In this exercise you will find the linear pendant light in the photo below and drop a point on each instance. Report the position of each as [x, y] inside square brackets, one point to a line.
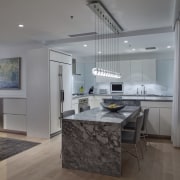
[105, 25]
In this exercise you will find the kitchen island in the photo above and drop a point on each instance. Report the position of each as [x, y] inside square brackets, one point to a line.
[91, 140]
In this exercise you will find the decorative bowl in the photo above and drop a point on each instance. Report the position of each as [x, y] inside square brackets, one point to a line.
[113, 107]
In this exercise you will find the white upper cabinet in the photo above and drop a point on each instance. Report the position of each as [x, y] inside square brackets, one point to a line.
[136, 70]
[143, 71]
[60, 57]
[125, 70]
[149, 71]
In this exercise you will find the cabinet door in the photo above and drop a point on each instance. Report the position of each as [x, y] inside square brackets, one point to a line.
[125, 70]
[136, 71]
[76, 108]
[67, 86]
[165, 121]
[14, 122]
[153, 121]
[55, 92]
[149, 71]
[54, 96]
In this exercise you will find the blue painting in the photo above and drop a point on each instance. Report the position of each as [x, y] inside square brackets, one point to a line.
[10, 73]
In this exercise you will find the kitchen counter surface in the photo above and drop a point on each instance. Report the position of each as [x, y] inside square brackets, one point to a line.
[101, 115]
[131, 97]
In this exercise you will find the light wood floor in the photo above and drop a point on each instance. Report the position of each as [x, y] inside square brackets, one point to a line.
[161, 162]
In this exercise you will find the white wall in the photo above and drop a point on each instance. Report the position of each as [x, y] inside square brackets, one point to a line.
[38, 124]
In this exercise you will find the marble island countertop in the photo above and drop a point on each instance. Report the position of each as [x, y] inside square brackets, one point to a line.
[91, 140]
[97, 115]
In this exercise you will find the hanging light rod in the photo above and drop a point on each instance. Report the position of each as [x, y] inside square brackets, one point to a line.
[100, 10]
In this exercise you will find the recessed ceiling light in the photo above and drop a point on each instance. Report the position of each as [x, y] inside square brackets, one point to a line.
[85, 45]
[168, 47]
[21, 25]
[133, 49]
[99, 52]
[125, 41]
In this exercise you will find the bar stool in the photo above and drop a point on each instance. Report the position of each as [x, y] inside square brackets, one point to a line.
[133, 137]
[132, 126]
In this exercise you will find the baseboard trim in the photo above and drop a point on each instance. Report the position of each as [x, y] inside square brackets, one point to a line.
[14, 132]
[55, 134]
[158, 136]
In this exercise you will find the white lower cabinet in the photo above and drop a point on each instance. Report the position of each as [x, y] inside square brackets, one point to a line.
[153, 121]
[160, 117]
[75, 105]
[165, 121]
[14, 114]
[14, 122]
[91, 101]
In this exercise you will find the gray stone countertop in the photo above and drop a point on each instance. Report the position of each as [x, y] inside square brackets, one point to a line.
[132, 97]
[99, 115]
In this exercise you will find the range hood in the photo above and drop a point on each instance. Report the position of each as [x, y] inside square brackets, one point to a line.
[74, 68]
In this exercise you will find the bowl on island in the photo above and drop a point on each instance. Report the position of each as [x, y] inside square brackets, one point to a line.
[113, 107]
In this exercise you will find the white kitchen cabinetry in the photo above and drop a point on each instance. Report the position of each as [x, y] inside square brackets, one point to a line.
[149, 71]
[43, 91]
[159, 121]
[60, 78]
[14, 114]
[91, 101]
[153, 121]
[136, 71]
[125, 70]
[165, 121]
[75, 105]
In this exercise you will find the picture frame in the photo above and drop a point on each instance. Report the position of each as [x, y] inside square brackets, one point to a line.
[10, 73]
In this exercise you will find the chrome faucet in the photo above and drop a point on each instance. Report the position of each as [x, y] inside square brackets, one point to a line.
[144, 89]
[137, 91]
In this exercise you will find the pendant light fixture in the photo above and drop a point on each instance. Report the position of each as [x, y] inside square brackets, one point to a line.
[105, 44]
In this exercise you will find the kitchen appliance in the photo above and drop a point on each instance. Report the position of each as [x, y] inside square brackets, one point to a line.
[102, 91]
[116, 87]
[82, 103]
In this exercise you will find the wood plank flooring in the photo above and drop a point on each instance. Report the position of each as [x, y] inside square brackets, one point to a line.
[161, 162]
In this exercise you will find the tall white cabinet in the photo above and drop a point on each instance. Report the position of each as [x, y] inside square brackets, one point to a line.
[43, 93]
[60, 64]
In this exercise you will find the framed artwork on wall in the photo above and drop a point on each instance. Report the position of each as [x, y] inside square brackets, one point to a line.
[10, 73]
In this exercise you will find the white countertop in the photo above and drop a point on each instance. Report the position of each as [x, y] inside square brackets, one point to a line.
[131, 97]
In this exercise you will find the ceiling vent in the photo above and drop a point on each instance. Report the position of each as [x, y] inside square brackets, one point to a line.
[83, 34]
[150, 48]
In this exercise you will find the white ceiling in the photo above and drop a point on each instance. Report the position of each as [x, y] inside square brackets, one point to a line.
[142, 14]
[160, 41]
[50, 19]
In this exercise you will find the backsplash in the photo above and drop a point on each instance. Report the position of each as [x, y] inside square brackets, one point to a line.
[131, 89]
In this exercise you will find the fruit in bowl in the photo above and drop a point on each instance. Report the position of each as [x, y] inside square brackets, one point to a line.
[112, 107]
